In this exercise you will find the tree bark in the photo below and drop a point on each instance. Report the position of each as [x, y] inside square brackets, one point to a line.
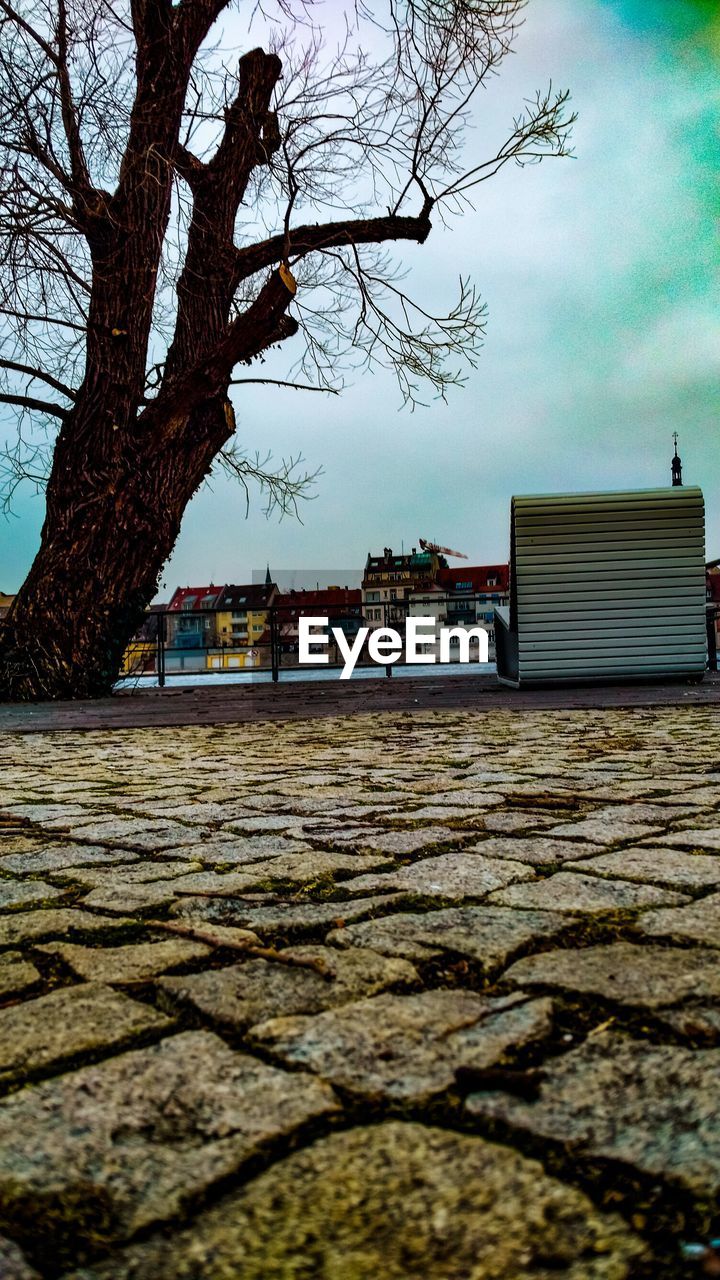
[102, 551]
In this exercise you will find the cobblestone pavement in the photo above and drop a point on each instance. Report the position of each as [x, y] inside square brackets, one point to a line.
[388, 996]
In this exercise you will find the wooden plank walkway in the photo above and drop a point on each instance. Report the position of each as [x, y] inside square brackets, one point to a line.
[294, 700]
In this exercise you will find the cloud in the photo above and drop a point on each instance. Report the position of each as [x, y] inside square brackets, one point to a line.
[600, 276]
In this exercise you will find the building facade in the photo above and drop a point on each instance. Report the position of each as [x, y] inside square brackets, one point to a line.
[190, 627]
[342, 606]
[241, 624]
[462, 597]
[389, 581]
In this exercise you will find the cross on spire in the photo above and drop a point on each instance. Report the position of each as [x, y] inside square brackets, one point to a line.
[676, 463]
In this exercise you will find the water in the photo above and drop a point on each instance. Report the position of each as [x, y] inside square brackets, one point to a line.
[311, 674]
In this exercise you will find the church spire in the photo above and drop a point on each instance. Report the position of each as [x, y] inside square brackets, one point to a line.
[268, 579]
[676, 463]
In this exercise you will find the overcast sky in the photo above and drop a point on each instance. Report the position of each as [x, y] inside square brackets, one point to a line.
[600, 276]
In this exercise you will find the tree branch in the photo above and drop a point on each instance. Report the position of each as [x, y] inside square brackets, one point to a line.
[78, 165]
[27, 316]
[40, 406]
[279, 382]
[207, 285]
[29, 30]
[38, 373]
[260, 326]
[309, 239]
[188, 166]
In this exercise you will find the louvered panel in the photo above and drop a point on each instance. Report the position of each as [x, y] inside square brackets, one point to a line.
[606, 549]
[608, 585]
[610, 591]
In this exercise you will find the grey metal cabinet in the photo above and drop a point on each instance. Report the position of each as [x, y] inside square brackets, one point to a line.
[604, 586]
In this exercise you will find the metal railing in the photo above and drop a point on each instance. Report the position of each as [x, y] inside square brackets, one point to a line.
[193, 642]
[189, 643]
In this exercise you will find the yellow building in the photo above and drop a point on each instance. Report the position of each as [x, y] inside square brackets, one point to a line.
[240, 623]
[141, 653]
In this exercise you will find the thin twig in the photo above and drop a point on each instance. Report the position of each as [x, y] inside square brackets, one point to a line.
[246, 948]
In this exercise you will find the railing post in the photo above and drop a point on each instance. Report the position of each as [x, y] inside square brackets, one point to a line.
[274, 645]
[710, 616]
[161, 650]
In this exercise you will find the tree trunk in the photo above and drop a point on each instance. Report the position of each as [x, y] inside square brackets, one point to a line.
[104, 543]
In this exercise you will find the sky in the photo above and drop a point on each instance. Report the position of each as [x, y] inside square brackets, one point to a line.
[600, 275]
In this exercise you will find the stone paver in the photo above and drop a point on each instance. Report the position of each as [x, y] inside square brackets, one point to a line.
[604, 828]
[575, 891]
[693, 838]
[374, 915]
[121, 878]
[59, 857]
[243, 994]
[489, 935]
[644, 976]
[237, 850]
[55, 922]
[536, 850]
[10, 843]
[281, 918]
[137, 833]
[397, 1201]
[133, 963]
[397, 843]
[127, 1142]
[405, 1048]
[13, 1264]
[666, 867]
[25, 893]
[451, 875]
[55, 1028]
[697, 922]
[16, 973]
[510, 821]
[693, 1022]
[120, 898]
[651, 1107]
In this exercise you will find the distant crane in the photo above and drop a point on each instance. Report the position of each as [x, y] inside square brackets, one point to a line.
[442, 551]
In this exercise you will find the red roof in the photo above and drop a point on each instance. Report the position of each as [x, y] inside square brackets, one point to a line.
[299, 602]
[195, 597]
[475, 578]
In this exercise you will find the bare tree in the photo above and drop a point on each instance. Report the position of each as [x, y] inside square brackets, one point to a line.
[168, 214]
